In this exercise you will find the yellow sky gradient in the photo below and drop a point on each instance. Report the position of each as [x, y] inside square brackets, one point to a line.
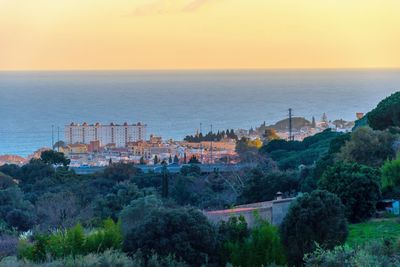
[198, 34]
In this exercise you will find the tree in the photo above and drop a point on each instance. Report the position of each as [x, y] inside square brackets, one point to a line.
[54, 158]
[6, 181]
[386, 114]
[133, 214]
[270, 134]
[155, 160]
[170, 159]
[391, 174]
[14, 210]
[190, 169]
[316, 218]
[165, 181]
[185, 233]
[194, 160]
[368, 147]
[176, 159]
[58, 144]
[118, 172]
[313, 123]
[356, 185]
[110, 205]
[57, 210]
[141, 161]
[262, 186]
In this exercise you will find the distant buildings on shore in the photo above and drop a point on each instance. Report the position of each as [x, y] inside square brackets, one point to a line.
[98, 145]
[118, 135]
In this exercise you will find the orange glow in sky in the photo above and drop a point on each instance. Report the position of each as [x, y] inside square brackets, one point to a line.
[198, 34]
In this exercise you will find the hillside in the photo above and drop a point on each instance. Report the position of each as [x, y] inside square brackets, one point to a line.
[297, 124]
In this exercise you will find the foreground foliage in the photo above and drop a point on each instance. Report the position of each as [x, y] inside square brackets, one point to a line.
[72, 242]
[260, 246]
[375, 254]
[316, 218]
[356, 185]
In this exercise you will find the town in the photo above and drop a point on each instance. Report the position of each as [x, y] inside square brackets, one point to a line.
[91, 147]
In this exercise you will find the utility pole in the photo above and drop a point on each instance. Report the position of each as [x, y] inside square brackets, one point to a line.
[211, 147]
[58, 138]
[290, 125]
[52, 136]
[201, 145]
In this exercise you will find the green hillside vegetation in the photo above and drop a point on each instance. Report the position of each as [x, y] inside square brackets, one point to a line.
[291, 154]
[50, 216]
[373, 230]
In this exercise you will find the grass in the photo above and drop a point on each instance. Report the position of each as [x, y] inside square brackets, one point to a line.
[376, 229]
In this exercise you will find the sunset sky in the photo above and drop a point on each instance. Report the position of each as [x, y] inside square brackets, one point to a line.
[198, 34]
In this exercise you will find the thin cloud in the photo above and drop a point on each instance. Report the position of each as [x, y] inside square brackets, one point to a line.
[195, 5]
[159, 7]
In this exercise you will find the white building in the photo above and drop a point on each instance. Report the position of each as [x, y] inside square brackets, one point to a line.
[116, 134]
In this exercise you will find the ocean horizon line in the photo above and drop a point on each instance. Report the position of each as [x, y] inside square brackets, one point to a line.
[202, 69]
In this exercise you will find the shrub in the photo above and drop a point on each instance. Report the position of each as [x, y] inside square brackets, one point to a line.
[316, 218]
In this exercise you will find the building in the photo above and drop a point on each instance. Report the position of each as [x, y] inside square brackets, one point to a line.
[112, 133]
[272, 211]
[75, 149]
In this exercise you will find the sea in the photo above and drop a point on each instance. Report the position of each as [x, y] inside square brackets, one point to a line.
[174, 103]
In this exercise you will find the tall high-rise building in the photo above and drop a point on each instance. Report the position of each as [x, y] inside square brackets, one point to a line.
[112, 133]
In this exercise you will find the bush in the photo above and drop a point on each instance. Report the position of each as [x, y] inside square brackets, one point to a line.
[316, 218]
[185, 233]
[72, 242]
[390, 174]
[261, 247]
[105, 259]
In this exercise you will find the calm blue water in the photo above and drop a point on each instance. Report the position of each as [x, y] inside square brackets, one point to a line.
[173, 104]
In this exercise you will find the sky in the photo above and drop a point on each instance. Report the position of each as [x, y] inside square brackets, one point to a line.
[198, 34]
